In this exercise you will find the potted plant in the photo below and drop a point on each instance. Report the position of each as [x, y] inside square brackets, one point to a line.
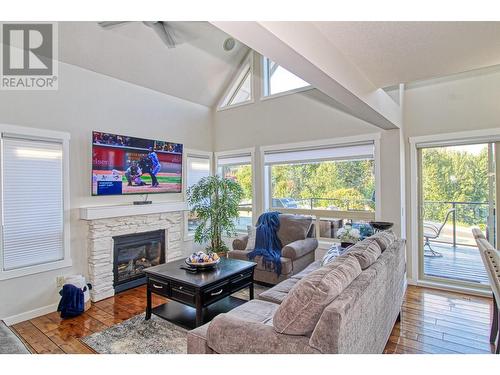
[348, 236]
[215, 201]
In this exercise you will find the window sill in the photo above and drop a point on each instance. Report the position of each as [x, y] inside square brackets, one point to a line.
[220, 109]
[31, 270]
[285, 93]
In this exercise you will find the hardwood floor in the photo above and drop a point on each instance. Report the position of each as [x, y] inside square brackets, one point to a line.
[432, 322]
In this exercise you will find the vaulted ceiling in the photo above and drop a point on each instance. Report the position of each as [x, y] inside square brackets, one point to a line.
[348, 61]
[352, 61]
[389, 53]
[198, 69]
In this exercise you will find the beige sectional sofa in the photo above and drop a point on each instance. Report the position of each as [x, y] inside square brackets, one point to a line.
[336, 308]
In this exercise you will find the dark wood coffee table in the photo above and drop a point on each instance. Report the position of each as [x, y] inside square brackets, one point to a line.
[197, 298]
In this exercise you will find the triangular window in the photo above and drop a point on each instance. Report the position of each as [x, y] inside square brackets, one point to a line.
[240, 90]
[278, 80]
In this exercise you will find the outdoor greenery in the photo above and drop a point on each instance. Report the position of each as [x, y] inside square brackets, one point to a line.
[453, 175]
[343, 185]
[449, 174]
[242, 174]
[215, 200]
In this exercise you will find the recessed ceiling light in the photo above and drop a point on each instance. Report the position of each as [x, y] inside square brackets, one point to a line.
[229, 44]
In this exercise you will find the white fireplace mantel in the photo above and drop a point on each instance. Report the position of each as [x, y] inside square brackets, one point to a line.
[106, 212]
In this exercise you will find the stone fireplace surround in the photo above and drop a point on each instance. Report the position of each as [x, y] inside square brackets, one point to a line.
[106, 222]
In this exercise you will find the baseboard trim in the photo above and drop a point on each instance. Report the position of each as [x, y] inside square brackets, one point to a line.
[14, 319]
[450, 288]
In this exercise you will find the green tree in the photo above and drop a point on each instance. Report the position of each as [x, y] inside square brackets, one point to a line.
[449, 175]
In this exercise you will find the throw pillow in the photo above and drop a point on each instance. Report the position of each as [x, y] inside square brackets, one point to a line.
[384, 238]
[300, 311]
[293, 228]
[252, 233]
[368, 255]
[331, 254]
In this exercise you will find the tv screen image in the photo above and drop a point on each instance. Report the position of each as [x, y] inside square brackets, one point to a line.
[129, 165]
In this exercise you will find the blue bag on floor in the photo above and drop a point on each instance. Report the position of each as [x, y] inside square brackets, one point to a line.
[72, 301]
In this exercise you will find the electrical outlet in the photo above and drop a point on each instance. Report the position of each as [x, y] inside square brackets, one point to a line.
[60, 281]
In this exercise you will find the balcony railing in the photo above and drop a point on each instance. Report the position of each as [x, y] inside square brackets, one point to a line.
[467, 214]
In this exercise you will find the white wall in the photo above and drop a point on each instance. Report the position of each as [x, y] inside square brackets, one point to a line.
[306, 116]
[467, 101]
[89, 101]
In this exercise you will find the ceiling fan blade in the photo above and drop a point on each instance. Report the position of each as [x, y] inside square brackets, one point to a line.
[164, 32]
[111, 24]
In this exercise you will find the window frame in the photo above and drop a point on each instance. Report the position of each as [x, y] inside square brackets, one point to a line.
[318, 213]
[241, 152]
[40, 134]
[266, 83]
[246, 68]
[208, 155]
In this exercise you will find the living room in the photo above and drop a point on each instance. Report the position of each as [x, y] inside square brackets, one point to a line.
[262, 187]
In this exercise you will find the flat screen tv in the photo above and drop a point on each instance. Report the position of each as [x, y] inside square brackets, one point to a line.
[129, 165]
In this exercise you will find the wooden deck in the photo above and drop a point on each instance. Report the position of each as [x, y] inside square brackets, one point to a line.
[461, 263]
[432, 322]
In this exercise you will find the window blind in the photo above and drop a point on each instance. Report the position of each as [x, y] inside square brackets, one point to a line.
[197, 168]
[234, 160]
[346, 152]
[33, 204]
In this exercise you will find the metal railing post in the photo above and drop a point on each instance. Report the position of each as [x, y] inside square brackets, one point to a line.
[453, 205]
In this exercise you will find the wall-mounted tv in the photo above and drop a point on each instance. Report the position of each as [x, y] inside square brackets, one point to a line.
[129, 165]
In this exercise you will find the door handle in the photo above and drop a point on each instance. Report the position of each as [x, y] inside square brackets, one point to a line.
[217, 293]
[157, 286]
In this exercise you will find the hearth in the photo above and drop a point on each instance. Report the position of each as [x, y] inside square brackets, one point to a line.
[133, 253]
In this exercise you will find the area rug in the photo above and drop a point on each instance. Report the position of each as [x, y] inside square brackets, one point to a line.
[154, 336]
[139, 336]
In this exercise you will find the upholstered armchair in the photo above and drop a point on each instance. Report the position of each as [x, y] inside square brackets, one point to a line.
[296, 233]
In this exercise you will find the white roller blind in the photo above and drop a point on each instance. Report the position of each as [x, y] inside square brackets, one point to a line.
[347, 152]
[234, 160]
[32, 206]
[197, 168]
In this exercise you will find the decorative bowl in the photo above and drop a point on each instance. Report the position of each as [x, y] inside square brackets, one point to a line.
[381, 225]
[203, 265]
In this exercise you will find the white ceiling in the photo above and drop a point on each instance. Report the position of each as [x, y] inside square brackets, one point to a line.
[389, 53]
[197, 70]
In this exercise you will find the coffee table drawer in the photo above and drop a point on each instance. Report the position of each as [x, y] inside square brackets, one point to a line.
[159, 287]
[183, 293]
[241, 279]
[215, 292]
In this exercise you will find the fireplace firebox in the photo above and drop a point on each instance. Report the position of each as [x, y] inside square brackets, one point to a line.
[133, 253]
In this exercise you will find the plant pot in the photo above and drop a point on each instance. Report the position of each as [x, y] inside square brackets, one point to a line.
[222, 254]
[345, 245]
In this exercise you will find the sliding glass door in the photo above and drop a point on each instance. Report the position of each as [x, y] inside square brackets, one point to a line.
[456, 193]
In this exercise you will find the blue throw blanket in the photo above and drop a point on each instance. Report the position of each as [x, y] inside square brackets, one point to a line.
[267, 243]
[72, 301]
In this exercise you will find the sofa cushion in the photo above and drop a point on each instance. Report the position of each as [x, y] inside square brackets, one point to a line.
[240, 243]
[306, 271]
[256, 311]
[384, 239]
[301, 309]
[293, 228]
[367, 255]
[333, 253]
[233, 334]
[278, 293]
